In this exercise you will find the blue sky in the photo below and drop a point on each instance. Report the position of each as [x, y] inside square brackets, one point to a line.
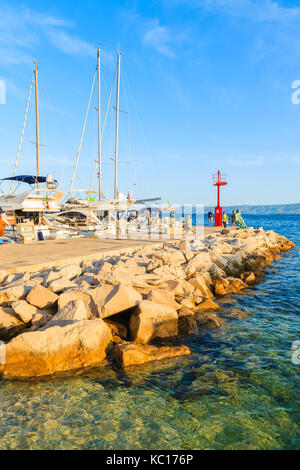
[205, 85]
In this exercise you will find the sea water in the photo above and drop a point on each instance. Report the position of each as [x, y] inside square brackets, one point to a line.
[238, 390]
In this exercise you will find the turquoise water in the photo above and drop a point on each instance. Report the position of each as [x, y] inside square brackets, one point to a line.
[238, 390]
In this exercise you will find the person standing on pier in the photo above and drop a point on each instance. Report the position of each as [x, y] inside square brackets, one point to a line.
[232, 218]
[210, 218]
[225, 219]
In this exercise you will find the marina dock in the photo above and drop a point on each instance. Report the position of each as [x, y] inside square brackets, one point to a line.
[43, 254]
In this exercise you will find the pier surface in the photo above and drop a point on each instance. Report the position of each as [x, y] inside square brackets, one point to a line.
[44, 254]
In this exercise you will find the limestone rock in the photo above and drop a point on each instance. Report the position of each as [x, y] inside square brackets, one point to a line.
[186, 312]
[236, 285]
[199, 282]
[86, 280]
[15, 291]
[61, 284]
[250, 278]
[128, 354]
[71, 271]
[110, 300]
[57, 349]
[170, 272]
[41, 297]
[24, 310]
[118, 330]
[207, 305]
[221, 287]
[179, 287]
[201, 262]
[150, 320]
[73, 311]
[40, 319]
[163, 297]
[9, 323]
[187, 325]
[172, 257]
[79, 294]
[208, 320]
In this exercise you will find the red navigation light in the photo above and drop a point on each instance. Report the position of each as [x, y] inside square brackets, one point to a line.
[219, 180]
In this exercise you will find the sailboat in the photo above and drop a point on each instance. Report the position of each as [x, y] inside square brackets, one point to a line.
[30, 206]
[100, 217]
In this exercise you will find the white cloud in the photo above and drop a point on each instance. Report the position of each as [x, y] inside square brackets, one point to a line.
[23, 29]
[70, 44]
[257, 10]
[258, 161]
[160, 38]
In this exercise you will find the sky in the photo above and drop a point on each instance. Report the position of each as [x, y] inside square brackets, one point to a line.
[205, 85]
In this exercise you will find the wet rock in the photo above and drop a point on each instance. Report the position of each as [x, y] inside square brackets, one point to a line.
[57, 349]
[187, 325]
[150, 320]
[208, 320]
[207, 305]
[41, 297]
[128, 354]
[221, 287]
[186, 312]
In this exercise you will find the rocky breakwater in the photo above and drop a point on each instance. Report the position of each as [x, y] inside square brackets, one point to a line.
[70, 318]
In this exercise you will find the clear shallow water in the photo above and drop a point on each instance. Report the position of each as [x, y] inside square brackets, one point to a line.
[238, 390]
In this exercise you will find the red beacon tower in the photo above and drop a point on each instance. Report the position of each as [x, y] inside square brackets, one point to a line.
[219, 180]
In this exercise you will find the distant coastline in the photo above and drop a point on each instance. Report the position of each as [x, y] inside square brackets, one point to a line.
[263, 209]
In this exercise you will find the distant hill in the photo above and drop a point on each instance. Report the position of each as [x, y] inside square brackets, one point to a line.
[267, 210]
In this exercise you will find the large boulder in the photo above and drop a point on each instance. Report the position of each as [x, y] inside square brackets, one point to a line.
[172, 257]
[128, 354]
[10, 325]
[71, 271]
[110, 300]
[151, 320]
[79, 294]
[24, 310]
[164, 297]
[167, 272]
[15, 291]
[75, 310]
[57, 349]
[61, 284]
[200, 283]
[206, 305]
[41, 297]
[179, 287]
[200, 263]
[187, 325]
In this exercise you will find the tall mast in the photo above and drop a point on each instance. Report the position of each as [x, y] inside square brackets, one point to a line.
[117, 129]
[37, 122]
[99, 128]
